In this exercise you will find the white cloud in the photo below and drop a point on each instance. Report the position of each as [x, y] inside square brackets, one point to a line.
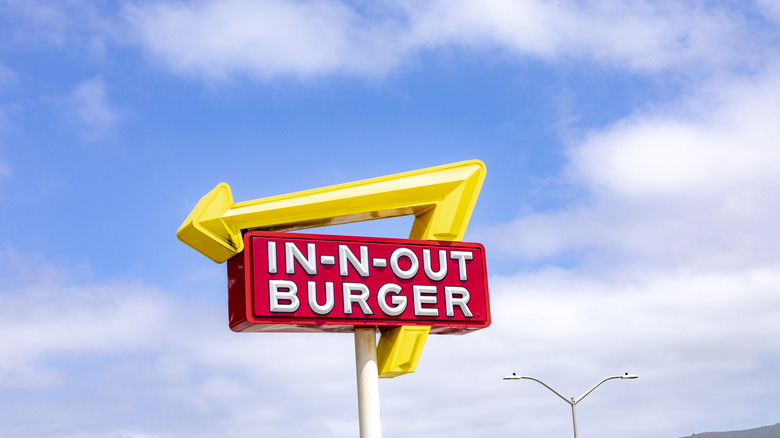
[44, 315]
[274, 38]
[124, 350]
[33, 21]
[88, 106]
[8, 77]
[720, 139]
[770, 8]
[692, 183]
[76, 23]
[301, 39]
[645, 36]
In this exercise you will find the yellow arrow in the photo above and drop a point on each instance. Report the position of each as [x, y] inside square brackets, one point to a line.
[441, 199]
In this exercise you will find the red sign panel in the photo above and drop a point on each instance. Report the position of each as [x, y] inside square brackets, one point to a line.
[289, 282]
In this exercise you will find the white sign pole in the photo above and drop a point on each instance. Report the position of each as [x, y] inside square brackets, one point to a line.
[367, 383]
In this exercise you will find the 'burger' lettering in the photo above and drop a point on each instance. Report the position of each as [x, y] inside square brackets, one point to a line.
[361, 299]
[422, 295]
[283, 290]
[398, 301]
[462, 300]
[330, 302]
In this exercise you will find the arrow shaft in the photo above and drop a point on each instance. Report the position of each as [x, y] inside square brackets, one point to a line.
[355, 202]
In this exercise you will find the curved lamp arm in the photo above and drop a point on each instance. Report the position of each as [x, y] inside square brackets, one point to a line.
[577, 400]
[571, 402]
[624, 376]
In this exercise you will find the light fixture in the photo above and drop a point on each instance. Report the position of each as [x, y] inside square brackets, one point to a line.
[572, 401]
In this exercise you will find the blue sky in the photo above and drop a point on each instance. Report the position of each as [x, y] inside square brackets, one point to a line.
[629, 211]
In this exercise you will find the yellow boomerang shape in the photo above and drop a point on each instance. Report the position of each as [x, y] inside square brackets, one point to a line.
[441, 199]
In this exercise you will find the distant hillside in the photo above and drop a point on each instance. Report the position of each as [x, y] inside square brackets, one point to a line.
[761, 432]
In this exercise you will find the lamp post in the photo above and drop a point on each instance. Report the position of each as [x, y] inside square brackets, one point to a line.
[572, 401]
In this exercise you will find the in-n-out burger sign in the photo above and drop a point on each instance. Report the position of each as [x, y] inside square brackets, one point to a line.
[299, 282]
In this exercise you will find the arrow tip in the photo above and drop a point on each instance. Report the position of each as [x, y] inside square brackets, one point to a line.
[206, 232]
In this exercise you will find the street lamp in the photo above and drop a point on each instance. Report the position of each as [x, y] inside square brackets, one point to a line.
[572, 401]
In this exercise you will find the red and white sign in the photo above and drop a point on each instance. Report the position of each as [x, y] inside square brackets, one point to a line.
[289, 282]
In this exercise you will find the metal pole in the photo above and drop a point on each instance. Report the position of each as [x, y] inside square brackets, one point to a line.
[367, 383]
[574, 417]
